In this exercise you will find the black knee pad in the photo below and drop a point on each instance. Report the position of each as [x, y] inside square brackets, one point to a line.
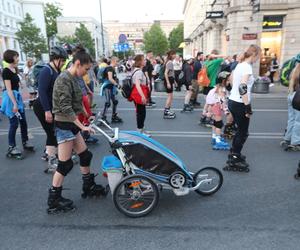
[218, 124]
[115, 102]
[85, 158]
[64, 167]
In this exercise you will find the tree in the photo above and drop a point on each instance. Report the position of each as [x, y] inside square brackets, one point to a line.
[176, 38]
[84, 37]
[51, 12]
[155, 40]
[67, 39]
[30, 38]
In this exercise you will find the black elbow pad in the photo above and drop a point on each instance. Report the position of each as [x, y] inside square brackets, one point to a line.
[243, 89]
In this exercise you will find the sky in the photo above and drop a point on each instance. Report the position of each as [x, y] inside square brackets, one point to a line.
[124, 10]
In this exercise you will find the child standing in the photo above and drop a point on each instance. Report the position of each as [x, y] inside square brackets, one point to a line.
[217, 107]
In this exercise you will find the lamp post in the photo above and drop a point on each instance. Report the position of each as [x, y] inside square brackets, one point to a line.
[102, 32]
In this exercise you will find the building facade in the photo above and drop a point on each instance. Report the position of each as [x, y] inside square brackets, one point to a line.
[66, 26]
[11, 13]
[231, 25]
[135, 31]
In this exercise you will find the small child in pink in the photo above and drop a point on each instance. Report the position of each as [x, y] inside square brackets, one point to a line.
[217, 108]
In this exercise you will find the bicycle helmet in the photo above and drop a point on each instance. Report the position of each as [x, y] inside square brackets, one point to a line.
[68, 47]
[58, 52]
[223, 75]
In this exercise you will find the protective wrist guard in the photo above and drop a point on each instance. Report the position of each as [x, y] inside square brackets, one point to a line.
[248, 109]
[243, 89]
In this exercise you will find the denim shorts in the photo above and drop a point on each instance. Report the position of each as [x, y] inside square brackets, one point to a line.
[64, 135]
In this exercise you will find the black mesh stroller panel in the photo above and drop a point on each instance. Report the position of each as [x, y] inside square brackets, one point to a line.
[150, 160]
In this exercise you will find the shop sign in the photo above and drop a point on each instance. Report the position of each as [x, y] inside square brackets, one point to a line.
[250, 36]
[272, 22]
[214, 14]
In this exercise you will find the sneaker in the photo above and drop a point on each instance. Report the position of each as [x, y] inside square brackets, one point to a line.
[116, 119]
[91, 140]
[169, 114]
[144, 132]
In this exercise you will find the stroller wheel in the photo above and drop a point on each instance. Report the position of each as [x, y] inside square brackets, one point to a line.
[211, 178]
[136, 196]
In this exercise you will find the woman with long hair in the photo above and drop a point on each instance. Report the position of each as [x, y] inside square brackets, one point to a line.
[292, 135]
[239, 105]
[67, 104]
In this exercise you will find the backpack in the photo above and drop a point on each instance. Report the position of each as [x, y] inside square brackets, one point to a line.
[34, 74]
[287, 69]
[161, 72]
[202, 77]
[127, 85]
[100, 74]
[296, 100]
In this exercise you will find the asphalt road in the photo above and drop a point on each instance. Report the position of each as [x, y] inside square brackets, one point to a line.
[258, 210]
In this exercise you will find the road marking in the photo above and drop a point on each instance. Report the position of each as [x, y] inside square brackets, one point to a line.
[179, 109]
[185, 134]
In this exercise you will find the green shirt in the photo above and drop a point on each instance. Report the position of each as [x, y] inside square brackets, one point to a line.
[213, 69]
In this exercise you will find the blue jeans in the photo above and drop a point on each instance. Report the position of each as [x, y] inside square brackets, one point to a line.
[292, 133]
[14, 123]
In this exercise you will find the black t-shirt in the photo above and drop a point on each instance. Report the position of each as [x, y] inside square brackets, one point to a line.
[7, 74]
[112, 70]
[148, 68]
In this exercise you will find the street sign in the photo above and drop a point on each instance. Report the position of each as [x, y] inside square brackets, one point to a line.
[121, 47]
[250, 36]
[214, 14]
[122, 38]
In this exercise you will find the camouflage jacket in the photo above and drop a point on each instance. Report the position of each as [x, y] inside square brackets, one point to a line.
[67, 98]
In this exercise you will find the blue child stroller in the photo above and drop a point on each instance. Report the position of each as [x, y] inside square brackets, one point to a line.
[141, 166]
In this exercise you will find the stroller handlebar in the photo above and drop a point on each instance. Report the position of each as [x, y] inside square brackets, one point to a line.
[114, 130]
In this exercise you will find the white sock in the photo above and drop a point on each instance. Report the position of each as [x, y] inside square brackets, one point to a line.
[218, 138]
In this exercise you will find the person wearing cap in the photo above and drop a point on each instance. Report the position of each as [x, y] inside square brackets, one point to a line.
[216, 102]
[43, 105]
[197, 67]
[188, 76]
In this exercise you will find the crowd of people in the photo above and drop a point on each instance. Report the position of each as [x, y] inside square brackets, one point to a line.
[62, 99]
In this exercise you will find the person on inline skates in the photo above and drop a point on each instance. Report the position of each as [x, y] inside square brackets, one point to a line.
[291, 140]
[240, 107]
[12, 105]
[217, 103]
[109, 90]
[188, 75]
[42, 106]
[67, 104]
[169, 81]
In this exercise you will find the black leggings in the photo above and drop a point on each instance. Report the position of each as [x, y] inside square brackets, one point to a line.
[140, 115]
[239, 115]
[48, 127]
[109, 97]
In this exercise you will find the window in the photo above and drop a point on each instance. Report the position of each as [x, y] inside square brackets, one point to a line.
[15, 44]
[3, 5]
[11, 23]
[8, 7]
[19, 11]
[14, 9]
[5, 21]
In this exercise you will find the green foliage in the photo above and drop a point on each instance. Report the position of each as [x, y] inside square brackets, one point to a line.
[176, 38]
[67, 39]
[84, 37]
[81, 36]
[30, 38]
[155, 40]
[51, 12]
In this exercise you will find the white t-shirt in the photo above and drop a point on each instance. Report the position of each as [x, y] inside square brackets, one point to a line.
[139, 75]
[240, 71]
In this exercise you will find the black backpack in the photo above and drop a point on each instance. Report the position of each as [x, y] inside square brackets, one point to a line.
[127, 85]
[296, 100]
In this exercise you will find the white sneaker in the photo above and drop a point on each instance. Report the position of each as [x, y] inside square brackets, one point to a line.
[144, 132]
